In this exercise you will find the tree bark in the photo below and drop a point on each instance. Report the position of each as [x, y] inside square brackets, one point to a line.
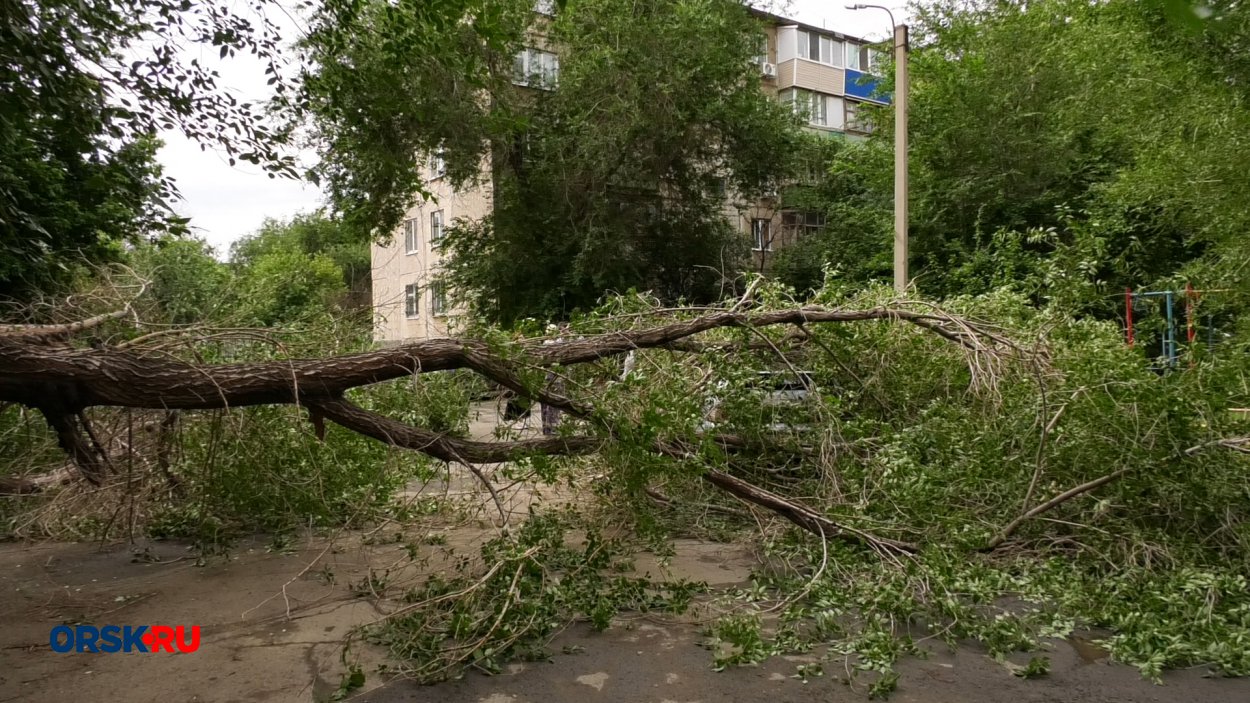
[127, 378]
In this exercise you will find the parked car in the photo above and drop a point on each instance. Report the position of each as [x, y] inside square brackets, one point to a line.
[781, 396]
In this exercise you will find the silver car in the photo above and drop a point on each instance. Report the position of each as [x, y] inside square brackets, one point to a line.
[777, 391]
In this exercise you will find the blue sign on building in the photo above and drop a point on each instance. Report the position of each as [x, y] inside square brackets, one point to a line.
[865, 87]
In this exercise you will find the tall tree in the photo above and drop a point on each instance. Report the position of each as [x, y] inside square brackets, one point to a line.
[386, 85]
[1095, 132]
[618, 176]
[84, 87]
[611, 176]
[1066, 148]
[311, 235]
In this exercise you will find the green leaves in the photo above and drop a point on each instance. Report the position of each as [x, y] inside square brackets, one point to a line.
[616, 178]
[383, 86]
[1185, 14]
[535, 582]
[609, 178]
[287, 286]
[84, 89]
[1108, 126]
[313, 235]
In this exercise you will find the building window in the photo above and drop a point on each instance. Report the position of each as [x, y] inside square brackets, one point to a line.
[412, 239]
[802, 224]
[412, 298]
[536, 68]
[438, 163]
[436, 225]
[862, 58]
[856, 120]
[811, 170]
[790, 96]
[820, 48]
[438, 299]
[761, 234]
[819, 109]
[831, 51]
[870, 59]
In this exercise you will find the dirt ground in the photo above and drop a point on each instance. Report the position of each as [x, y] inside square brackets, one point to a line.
[273, 625]
[648, 662]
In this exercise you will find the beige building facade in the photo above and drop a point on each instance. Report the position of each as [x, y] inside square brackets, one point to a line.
[825, 75]
[408, 301]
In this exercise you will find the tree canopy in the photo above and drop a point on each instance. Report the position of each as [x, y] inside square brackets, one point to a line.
[286, 274]
[84, 89]
[657, 117]
[311, 235]
[611, 175]
[384, 86]
[1065, 148]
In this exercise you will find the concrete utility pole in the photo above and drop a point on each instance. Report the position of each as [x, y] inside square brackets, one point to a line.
[901, 183]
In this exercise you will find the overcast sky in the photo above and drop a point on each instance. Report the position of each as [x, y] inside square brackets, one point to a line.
[225, 202]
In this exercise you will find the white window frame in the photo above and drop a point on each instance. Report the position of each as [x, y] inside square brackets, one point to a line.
[817, 109]
[536, 68]
[438, 163]
[412, 236]
[761, 234]
[812, 105]
[787, 43]
[436, 226]
[854, 121]
[852, 56]
[829, 49]
[412, 301]
[874, 61]
[835, 52]
[800, 101]
[438, 299]
[834, 117]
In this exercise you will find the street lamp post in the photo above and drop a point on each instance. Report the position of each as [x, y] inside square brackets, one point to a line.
[900, 148]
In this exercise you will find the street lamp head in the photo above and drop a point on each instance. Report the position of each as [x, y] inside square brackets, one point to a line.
[866, 6]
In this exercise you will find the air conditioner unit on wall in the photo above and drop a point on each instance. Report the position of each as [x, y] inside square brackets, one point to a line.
[768, 70]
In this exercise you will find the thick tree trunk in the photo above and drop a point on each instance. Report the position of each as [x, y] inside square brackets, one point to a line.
[125, 378]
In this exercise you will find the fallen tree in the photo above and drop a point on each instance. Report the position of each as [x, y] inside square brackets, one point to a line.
[40, 370]
[988, 462]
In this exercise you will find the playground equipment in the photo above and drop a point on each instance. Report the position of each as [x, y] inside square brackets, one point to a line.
[1190, 295]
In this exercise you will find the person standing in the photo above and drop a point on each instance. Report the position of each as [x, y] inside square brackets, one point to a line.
[554, 384]
[551, 414]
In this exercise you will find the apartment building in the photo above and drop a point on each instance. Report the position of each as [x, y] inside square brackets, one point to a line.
[827, 76]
